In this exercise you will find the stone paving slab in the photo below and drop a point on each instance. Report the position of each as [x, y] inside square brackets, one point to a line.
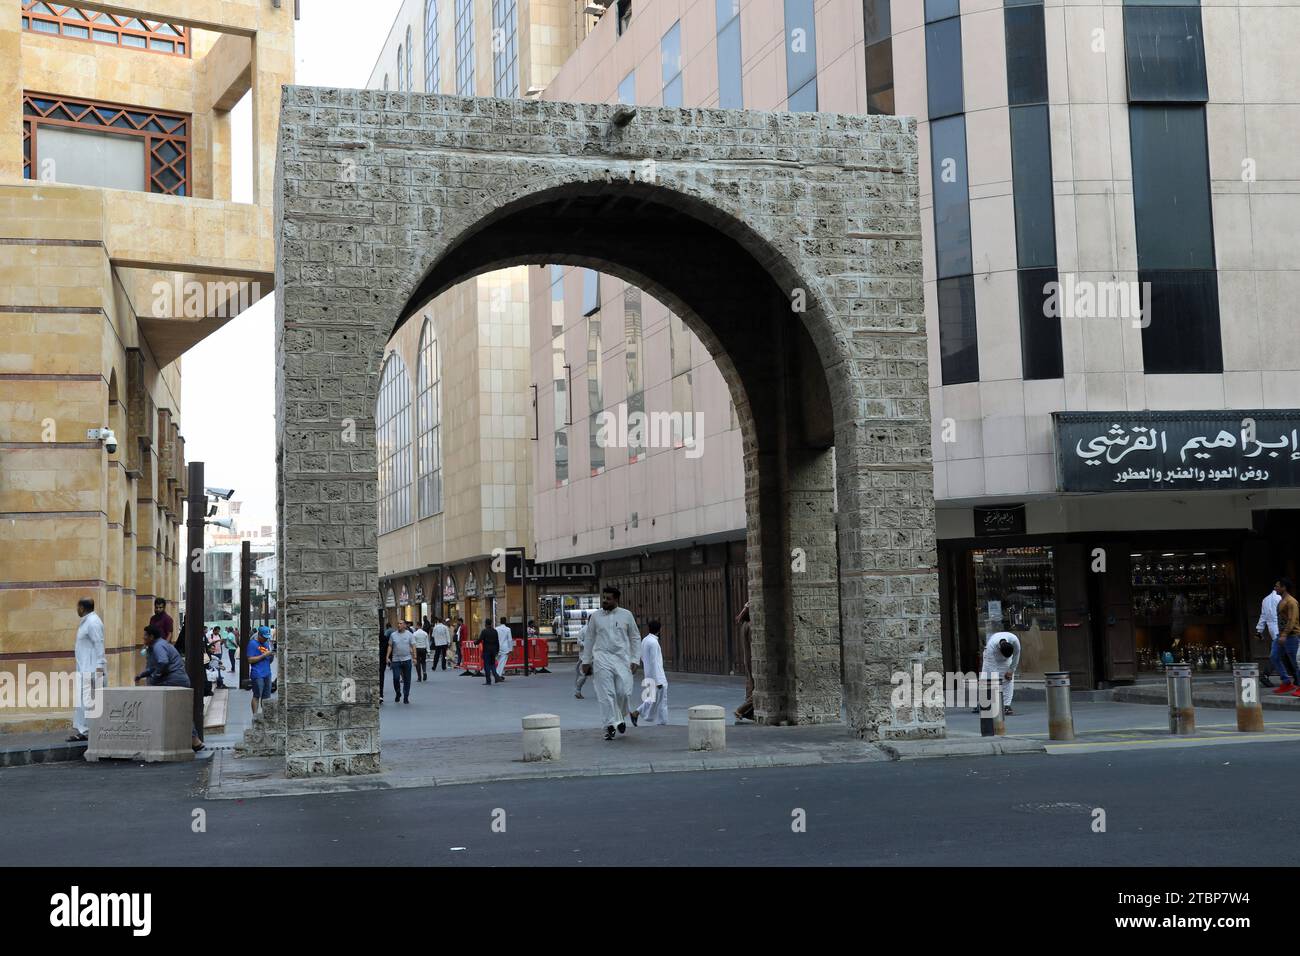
[447, 761]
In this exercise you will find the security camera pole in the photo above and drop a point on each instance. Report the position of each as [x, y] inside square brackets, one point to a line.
[194, 613]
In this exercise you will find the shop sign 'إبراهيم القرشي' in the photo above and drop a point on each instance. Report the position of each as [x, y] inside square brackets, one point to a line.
[1184, 451]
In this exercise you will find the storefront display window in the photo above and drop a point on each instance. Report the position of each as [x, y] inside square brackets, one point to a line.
[1015, 590]
[1183, 609]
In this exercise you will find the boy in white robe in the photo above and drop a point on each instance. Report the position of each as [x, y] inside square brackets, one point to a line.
[654, 682]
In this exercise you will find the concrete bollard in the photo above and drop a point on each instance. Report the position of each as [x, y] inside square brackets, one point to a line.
[1060, 718]
[1250, 712]
[1182, 715]
[152, 724]
[541, 737]
[706, 728]
[992, 723]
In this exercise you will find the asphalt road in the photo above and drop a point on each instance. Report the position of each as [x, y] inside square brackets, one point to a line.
[1190, 806]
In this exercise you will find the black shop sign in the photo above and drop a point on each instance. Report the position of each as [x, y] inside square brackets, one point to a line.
[992, 522]
[1182, 451]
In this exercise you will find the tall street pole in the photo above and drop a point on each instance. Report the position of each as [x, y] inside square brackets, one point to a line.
[194, 612]
[245, 611]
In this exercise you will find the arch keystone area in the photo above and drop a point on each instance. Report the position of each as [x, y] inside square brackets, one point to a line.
[789, 242]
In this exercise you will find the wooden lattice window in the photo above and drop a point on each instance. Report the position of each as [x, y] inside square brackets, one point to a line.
[166, 135]
[78, 23]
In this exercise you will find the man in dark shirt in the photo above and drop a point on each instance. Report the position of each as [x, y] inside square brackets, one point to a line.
[162, 620]
[491, 644]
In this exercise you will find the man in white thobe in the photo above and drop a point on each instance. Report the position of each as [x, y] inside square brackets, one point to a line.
[1266, 627]
[92, 665]
[612, 649]
[997, 661]
[654, 682]
[507, 645]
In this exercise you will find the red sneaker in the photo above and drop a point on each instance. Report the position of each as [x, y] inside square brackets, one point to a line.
[1285, 688]
[1296, 692]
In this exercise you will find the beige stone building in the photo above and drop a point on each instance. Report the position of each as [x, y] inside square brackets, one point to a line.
[120, 248]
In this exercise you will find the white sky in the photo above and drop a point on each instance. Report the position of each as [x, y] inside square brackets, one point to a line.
[228, 380]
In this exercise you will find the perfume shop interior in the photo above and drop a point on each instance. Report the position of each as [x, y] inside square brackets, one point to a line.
[1108, 612]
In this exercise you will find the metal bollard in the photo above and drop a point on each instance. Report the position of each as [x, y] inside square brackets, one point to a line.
[1182, 716]
[1250, 712]
[990, 701]
[1060, 719]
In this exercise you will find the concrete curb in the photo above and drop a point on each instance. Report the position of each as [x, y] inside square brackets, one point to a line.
[44, 753]
[961, 747]
[1156, 694]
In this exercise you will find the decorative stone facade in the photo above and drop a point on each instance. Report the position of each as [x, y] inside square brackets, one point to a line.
[789, 242]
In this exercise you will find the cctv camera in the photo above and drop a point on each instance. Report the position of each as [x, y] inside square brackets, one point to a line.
[226, 493]
[106, 435]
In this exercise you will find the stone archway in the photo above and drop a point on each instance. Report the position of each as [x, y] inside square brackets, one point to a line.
[790, 243]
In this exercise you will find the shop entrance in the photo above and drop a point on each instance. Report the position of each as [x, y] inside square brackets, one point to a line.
[1184, 609]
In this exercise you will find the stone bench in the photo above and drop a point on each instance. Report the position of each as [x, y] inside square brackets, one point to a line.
[143, 723]
[214, 711]
[541, 737]
[706, 727]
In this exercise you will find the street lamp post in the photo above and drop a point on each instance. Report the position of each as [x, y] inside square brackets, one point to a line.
[194, 622]
[245, 610]
[523, 585]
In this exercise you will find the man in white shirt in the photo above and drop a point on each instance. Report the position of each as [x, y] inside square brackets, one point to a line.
[613, 648]
[92, 664]
[581, 677]
[654, 682]
[1266, 627]
[507, 645]
[441, 641]
[1002, 657]
[420, 641]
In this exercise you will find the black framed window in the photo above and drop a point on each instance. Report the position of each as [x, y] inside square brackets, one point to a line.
[670, 60]
[951, 197]
[944, 89]
[1040, 332]
[590, 291]
[880, 56]
[1181, 314]
[1031, 170]
[1026, 55]
[1165, 53]
[958, 347]
[1171, 187]
[936, 10]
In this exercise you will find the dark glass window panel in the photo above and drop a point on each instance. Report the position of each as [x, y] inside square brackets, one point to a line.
[876, 20]
[105, 36]
[81, 33]
[880, 78]
[958, 347]
[1031, 170]
[590, 291]
[44, 26]
[1171, 187]
[941, 9]
[943, 68]
[130, 39]
[624, 15]
[730, 87]
[726, 10]
[1024, 3]
[1182, 316]
[1040, 333]
[800, 45]
[165, 45]
[951, 197]
[1165, 52]
[804, 100]
[1026, 56]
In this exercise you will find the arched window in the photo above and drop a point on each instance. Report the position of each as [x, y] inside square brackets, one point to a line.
[428, 414]
[410, 62]
[393, 443]
[400, 72]
[432, 61]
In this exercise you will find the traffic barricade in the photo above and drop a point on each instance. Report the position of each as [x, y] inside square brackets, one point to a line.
[471, 659]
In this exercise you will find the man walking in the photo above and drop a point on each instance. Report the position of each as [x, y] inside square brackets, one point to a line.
[654, 682]
[400, 647]
[161, 620]
[461, 636]
[489, 642]
[1288, 639]
[232, 645]
[612, 650]
[420, 638]
[505, 645]
[746, 710]
[258, 653]
[441, 641]
[1266, 626]
[92, 665]
[385, 635]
